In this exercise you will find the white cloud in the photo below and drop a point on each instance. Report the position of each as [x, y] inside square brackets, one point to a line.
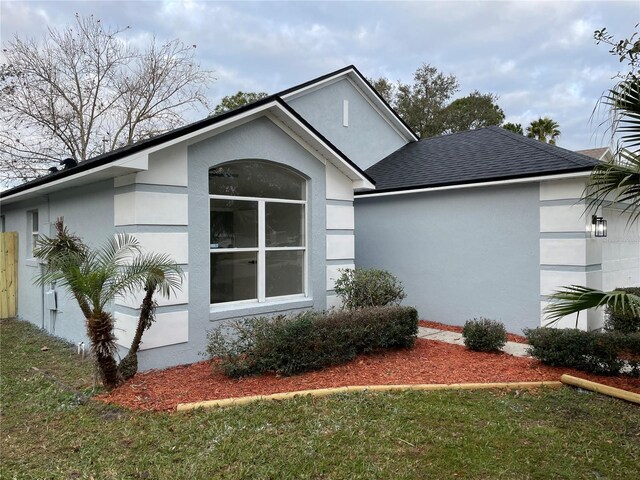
[539, 57]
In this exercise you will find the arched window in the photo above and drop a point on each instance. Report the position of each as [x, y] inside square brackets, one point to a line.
[257, 231]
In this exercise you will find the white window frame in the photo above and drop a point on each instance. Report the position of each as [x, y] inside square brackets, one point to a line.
[261, 250]
[32, 233]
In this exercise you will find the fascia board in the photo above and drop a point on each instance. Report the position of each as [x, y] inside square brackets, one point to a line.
[138, 162]
[512, 181]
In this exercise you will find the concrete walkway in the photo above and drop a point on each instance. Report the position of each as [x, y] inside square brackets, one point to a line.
[512, 348]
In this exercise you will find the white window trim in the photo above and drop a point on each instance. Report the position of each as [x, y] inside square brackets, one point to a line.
[33, 233]
[261, 249]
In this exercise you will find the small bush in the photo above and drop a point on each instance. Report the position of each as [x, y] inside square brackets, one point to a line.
[620, 320]
[602, 353]
[361, 288]
[484, 335]
[310, 340]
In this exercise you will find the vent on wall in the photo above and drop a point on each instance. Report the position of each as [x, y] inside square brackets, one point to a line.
[345, 113]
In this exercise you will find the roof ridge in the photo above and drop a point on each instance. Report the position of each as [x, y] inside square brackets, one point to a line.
[538, 145]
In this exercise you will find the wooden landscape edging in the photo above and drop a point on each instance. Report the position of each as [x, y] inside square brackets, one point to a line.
[323, 392]
[8, 274]
[600, 388]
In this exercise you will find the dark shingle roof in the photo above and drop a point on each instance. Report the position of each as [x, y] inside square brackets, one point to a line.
[482, 155]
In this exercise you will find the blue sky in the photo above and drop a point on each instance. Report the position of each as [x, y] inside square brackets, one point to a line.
[538, 57]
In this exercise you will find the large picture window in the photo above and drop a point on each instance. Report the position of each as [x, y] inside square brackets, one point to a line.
[257, 232]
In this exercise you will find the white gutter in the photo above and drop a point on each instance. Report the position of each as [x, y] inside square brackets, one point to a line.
[478, 184]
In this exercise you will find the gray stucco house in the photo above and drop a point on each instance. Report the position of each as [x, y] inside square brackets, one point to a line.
[262, 206]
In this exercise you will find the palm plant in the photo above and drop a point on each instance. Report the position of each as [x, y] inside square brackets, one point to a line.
[617, 181]
[544, 128]
[96, 277]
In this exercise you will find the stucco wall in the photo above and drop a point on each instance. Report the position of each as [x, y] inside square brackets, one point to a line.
[368, 137]
[461, 253]
[87, 211]
[258, 139]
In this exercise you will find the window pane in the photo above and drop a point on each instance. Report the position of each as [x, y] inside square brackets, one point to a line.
[284, 273]
[284, 224]
[34, 222]
[234, 224]
[256, 179]
[233, 276]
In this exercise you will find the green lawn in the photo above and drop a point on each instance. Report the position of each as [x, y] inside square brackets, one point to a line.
[47, 433]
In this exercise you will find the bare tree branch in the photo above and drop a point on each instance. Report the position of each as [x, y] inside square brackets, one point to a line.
[83, 90]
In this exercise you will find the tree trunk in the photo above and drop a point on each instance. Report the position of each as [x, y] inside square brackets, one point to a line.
[129, 365]
[100, 332]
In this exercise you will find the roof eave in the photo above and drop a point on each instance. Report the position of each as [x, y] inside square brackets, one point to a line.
[135, 158]
[488, 182]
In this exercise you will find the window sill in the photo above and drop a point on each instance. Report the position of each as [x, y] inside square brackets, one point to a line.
[223, 312]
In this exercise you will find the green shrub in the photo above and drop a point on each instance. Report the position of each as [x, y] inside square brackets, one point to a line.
[362, 287]
[602, 353]
[484, 335]
[310, 340]
[620, 320]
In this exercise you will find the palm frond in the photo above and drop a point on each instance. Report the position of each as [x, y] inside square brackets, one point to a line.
[616, 182]
[624, 104]
[117, 250]
[576, 298]
[144, 271]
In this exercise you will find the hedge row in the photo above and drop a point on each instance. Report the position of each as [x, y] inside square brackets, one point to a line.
[603, 353]
[310, 340]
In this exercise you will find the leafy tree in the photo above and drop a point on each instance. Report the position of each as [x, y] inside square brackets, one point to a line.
[96, 277]
[627, 49]
[84, 90]
[617, 181]
[544, 129]
[425, 104]
[231, 102]
[420, 103]
[476, 110]
[385, 88]
[514, 127]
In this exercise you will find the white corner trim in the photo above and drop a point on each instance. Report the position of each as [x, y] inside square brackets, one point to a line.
[150, 208]
[340, 247]
[168, 329]
[477, 185]
[334, 272]
[340, 217]
[179, 297]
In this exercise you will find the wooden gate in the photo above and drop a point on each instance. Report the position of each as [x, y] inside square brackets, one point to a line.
[8, 274]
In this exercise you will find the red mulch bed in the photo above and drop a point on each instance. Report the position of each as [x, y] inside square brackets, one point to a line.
[512, 337]
[429, 362]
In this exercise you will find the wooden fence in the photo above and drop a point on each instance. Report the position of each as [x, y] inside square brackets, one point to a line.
[8, 274]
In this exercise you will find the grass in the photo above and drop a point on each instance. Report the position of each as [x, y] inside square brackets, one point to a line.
[48, 432]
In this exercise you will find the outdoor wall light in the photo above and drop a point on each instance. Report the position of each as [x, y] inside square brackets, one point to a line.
[599, 226]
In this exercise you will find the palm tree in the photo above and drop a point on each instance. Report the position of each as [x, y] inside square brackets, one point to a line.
[96, 277]
[544, 128]
[617, 181]
[513, 127]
